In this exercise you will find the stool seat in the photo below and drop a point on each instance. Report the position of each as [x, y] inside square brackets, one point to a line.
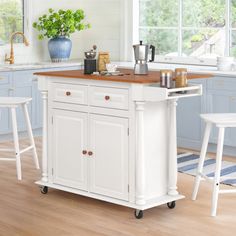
[220, 119]
[13, 103]
[8, 101]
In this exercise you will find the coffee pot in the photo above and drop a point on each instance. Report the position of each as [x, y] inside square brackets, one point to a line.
[141, 57]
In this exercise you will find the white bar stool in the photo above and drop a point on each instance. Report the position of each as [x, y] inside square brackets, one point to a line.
[222, 121]
[12, 103]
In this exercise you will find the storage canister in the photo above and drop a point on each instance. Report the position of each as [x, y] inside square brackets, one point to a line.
[166, 78]
[181, 77]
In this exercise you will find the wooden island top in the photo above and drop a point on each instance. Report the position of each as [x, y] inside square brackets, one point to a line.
[128, 77]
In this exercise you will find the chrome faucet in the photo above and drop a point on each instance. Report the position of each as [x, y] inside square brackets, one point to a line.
[11, 59]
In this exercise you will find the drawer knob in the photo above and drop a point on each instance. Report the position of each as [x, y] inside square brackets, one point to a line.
[84, 152]
[68, 93]
[90, 153]
[107, 98]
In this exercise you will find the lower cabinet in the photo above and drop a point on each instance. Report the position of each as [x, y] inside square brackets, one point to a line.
[221, 101]
[5, 91]
[69, 140]
[219, 96]
[23, 83]
[91, 152]
[189, 124]
[108, 141]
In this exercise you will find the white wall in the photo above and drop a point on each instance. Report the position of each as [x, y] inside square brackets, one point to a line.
[105, 17]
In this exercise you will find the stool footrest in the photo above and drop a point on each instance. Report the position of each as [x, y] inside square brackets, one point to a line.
[26, 149]
[7, 159]
[209, 179]
[227, 191]
[7, 150]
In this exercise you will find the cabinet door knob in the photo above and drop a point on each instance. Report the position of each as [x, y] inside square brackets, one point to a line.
[107, 98]
[90, 153]
[68, 93]
[84, 152]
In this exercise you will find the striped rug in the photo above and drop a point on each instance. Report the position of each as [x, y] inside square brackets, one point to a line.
[188, 163]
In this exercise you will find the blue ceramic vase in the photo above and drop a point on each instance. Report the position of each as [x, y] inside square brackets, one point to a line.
[59, 48]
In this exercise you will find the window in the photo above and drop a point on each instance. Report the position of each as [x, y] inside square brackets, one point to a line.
[11, 19]
[185, 30]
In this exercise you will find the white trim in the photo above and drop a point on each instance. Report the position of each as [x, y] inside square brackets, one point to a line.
[227, 27]
[27, 25]
[180, 59]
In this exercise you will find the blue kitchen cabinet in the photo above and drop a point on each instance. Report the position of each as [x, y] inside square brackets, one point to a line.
[23, 83]
[189, 123]
[5, 91]
[221, 98]
[23, 87]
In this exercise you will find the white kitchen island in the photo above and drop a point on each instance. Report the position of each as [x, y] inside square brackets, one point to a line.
[112, 138]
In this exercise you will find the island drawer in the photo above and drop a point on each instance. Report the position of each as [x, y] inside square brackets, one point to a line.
[70, 93]
[117, 98]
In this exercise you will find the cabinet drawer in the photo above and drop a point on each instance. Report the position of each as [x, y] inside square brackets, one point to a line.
[70, 93]
[109, 97]
[5, 77]
[222, 84]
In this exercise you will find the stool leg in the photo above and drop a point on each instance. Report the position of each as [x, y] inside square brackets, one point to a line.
[201, 159]
[30, 134]
[16, 143]
[216, 186]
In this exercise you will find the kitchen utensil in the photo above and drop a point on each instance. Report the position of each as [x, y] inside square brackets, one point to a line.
[90, 63]
[166, 78]
[141, 58]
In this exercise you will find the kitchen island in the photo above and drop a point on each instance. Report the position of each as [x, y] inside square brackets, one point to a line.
[112, 138]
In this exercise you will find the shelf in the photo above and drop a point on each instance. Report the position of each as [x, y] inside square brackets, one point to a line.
[154, 92]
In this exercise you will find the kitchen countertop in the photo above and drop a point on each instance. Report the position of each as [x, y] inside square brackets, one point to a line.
[128, 77]
[126, 65]
[39, 65]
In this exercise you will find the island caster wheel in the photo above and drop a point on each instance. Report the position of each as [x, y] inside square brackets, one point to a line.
[171, 205]
[44, 189]
[138, 214]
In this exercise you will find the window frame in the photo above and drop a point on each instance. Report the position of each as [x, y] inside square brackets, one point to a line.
[180, 59]
[26, 24]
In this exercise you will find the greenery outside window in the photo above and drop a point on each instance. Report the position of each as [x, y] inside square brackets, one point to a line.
[11, 19]
[188, 31]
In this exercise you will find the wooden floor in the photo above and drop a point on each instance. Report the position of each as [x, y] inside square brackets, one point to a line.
[24, 211]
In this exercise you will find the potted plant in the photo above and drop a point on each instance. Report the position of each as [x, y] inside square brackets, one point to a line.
[58, 26]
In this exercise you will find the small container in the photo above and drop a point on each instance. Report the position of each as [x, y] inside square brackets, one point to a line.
[166, 78]
[181, 77]
[103, 59]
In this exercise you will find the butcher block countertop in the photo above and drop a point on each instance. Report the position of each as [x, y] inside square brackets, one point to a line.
[128, 77]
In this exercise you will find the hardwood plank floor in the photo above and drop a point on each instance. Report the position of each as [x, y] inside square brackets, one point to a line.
[24, 211]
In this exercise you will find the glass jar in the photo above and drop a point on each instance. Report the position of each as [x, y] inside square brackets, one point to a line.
[181, 77]
[166, 78]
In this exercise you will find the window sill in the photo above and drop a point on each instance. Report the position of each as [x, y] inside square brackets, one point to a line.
[192, 68]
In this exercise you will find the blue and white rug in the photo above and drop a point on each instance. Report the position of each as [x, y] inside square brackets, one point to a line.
[188, 163]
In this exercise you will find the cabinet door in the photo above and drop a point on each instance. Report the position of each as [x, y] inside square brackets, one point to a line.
[5, 81]
[222, 102]
[189, 123]
[22, 84]
[69, 139]
[109, 162]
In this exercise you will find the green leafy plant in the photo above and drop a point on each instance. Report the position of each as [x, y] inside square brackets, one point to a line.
[60, 23]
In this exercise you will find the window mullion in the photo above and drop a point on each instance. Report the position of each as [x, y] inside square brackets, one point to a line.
[180, 22]
[227, 27]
